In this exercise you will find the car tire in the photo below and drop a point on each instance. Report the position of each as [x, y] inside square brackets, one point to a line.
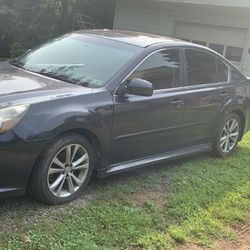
[228, 135]
[63, 170]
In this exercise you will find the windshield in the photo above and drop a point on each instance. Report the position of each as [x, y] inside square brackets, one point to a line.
[79, 59]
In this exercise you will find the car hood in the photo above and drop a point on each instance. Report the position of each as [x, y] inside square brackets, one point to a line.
[16, 84]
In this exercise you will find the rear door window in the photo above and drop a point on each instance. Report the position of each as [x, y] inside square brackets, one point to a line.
[204, 68]
[222, 71]
[200, 67]
[236, 76]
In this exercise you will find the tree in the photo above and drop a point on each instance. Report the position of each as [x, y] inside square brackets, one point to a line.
[26, 23]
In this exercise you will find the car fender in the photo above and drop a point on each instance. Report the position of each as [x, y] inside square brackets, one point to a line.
[47, 120]
[236, 105]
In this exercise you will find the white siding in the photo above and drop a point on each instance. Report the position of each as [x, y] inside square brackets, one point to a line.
[161, 18]
[246, 60]
[229, 3]
[149, 18]
[213, 34]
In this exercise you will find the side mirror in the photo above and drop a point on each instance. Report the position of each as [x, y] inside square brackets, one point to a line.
[140, 87]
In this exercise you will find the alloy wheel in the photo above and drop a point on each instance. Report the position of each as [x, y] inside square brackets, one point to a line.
[229, 135]
[68, 170]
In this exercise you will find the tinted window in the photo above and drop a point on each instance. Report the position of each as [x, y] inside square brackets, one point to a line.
[222, 71]
[81, 59]
[201, 67]
[234, 53]
[217, 47]
[162, 69]
[236, 76]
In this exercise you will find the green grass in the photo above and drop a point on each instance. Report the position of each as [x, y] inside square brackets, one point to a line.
[195, 200]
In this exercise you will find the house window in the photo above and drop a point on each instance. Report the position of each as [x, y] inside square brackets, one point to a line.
[234, 53]
[185, 39]
[200, 43]
[217, 47]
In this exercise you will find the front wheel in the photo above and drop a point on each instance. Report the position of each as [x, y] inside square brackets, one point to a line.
[63, 171]
[228, 135]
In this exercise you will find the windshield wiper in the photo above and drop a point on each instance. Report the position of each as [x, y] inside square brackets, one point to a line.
[17, 63]
[58, 77]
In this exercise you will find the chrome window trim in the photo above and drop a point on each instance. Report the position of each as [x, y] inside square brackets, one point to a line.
[142, 61]
[203, 86]
[218, 58]
[157, 91]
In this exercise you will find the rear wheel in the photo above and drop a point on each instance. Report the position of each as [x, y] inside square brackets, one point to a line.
[63, 171]
[228, 135]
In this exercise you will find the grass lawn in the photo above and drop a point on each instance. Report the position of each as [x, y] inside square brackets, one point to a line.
[193, 201]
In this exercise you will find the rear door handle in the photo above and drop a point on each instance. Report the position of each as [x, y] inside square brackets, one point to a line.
[177, 102]
[224, 94]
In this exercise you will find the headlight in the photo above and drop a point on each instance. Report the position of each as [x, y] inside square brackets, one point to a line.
[10, 116]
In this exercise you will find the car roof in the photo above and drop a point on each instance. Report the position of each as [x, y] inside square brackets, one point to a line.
[134, 38]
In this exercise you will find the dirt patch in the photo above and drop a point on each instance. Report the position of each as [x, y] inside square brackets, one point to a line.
[156, 194]
[189, 247]
[241, 243]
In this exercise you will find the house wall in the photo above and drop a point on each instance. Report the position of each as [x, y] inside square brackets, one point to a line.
[161, 17]
[228, 3]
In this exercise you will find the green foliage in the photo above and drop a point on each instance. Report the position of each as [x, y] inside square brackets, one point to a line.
[155, 241]
[212, 223]
[178, 234]
[16, 49]
[28, 23]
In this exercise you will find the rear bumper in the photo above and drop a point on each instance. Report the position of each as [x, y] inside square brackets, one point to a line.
[17, 159]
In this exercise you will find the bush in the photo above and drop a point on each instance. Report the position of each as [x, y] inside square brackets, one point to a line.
[16, 49]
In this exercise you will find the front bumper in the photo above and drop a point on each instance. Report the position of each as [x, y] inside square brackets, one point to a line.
[17, 159]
